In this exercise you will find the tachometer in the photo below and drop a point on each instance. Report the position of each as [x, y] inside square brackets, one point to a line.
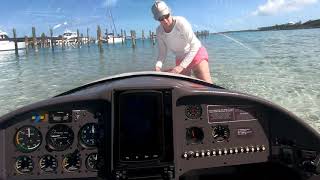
[28, 139]
[92, 162]
[72, 162]
[24, 164]
[48, 163]
[88, 135]
[60, 137]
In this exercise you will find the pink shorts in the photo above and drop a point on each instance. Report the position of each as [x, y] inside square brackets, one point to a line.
[201, 55]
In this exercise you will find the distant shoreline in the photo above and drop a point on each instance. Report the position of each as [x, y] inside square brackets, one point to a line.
[256, 30]
[311, 24]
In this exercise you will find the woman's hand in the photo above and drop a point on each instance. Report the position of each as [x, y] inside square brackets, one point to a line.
[177, 70]
[158, 69]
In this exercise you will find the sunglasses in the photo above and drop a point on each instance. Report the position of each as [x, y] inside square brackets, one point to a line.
[164, 17]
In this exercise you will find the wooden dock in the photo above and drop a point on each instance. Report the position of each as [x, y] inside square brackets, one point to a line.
[45, 41]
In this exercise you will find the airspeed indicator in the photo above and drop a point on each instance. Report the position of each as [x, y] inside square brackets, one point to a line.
[28, 139]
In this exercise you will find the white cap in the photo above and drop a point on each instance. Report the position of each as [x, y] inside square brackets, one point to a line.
[159, 8]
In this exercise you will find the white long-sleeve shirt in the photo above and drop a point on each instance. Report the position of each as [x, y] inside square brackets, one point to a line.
[181, 41]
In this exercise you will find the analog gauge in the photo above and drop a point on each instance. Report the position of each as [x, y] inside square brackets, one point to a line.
[92, 161]
[24, 164]
[194, 135]
[88, 135]
[193, 111]
[60, 137]
[72, 162]
[48, 163]
[28, 139]
[221, 133]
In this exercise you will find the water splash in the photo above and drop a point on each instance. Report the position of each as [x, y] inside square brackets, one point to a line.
[241, 44]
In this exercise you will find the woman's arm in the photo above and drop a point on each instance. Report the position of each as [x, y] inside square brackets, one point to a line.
[162, 54]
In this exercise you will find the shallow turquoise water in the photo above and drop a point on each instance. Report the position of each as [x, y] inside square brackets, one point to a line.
[280, 66]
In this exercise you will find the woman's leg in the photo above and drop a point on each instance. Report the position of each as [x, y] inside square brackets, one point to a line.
[186, 71]
[202, 71]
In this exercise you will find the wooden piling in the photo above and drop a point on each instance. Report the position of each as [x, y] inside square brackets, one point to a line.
[42, 40]
[15, 40]
[62, 43]
[26, 42]
[99, 38]
[143, 36]
[125, 36]
[113, 37]
[150, 35]
[51, 39]
[34, 39]
[78, 38]
[133, 41]
[81, 39]
[122, 38]
[88, 41]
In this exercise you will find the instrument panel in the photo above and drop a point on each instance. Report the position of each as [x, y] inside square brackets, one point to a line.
[65, 143]
[149, 127]
[61, 143]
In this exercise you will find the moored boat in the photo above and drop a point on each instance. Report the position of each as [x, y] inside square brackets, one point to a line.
[111, 38]
[6, 44]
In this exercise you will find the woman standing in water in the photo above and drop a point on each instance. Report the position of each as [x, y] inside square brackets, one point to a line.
[175, 33]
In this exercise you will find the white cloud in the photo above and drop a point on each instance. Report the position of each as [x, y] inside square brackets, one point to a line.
[59, 25]
[56, 26]
[273, 7]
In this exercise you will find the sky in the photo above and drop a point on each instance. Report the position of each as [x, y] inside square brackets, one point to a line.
[212, 15]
